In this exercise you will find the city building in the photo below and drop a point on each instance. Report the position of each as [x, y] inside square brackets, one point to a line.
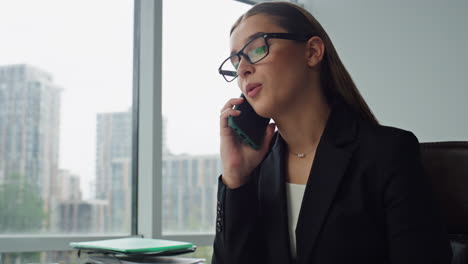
[69, 186]
[189, 192]
[29, 129]
[83, 217]
[113, 168]
[68, 191]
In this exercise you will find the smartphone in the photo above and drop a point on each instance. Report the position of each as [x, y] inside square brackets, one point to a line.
[249, 125]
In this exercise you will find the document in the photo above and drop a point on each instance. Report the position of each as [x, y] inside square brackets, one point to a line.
[135, 245]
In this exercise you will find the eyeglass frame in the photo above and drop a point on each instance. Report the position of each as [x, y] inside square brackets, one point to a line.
[266, 37]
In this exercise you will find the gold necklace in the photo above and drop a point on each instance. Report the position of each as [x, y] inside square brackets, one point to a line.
[301, 155]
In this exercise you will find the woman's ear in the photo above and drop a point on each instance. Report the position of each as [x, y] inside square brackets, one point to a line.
[315, 49]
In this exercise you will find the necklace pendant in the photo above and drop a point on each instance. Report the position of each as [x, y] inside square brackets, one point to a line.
[300, 155]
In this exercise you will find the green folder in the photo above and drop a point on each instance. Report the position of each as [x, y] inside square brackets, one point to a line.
[134, 245]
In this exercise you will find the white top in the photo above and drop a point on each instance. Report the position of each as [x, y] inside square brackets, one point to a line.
[294, 195]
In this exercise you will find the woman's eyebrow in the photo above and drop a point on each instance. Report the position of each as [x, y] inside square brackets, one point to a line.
[252, 36]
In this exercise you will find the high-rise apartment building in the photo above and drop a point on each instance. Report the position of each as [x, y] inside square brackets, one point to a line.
[113, 167]
[68, 193]
[84, 217]
[69, 186]
[189, 192]
[189, 181]
[29, 128]
[113, 142]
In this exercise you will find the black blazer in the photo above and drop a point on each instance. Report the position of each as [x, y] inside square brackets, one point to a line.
[366, 201]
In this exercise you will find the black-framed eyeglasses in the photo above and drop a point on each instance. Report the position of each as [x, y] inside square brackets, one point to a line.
[254, 51]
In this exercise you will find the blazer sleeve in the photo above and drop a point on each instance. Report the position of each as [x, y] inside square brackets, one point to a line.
[416, 232]
[238, 232]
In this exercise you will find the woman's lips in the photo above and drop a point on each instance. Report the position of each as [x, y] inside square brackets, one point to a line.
[254, 91]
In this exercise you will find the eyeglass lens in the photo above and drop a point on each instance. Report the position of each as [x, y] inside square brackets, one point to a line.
[255, 51]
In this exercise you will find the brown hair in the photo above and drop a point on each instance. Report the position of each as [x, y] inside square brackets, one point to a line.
[335, 79]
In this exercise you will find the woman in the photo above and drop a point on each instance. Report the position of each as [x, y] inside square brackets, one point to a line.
[331, 185]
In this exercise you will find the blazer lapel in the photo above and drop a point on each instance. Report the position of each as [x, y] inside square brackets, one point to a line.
[274, 205]
[331, 160]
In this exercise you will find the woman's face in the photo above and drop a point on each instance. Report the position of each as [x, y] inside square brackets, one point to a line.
[279, 79]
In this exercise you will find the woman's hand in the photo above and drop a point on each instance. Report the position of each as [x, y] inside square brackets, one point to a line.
[239, 160]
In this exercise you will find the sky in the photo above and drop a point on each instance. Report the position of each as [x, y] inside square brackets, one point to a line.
[196, 43]
[87, 47]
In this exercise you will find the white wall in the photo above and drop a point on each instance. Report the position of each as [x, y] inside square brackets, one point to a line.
[409, 59]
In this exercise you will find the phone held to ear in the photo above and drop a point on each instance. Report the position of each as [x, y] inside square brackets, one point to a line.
[249, 125]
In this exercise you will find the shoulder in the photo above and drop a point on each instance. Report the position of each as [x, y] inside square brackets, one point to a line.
[385, 137]
[386, 146]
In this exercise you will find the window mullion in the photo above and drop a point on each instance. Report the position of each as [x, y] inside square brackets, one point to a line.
[150, 120]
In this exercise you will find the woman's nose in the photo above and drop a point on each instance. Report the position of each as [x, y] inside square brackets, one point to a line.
[245, 68]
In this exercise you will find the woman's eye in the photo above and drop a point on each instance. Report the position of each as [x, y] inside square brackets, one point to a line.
[254, 54]
[258, 51]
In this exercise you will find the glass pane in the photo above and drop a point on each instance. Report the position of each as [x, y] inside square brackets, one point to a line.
[65, 116]
[192, 98]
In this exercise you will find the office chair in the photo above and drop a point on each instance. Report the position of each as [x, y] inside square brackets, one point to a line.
[446, 164]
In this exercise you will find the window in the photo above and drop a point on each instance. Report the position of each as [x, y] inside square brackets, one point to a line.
[65, 120]
[100, 109]
[194, 44]
[179, 122]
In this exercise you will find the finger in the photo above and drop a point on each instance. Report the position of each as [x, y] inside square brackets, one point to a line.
[231, 103]
[225, 115]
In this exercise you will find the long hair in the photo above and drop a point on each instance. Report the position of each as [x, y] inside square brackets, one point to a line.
[334, 78]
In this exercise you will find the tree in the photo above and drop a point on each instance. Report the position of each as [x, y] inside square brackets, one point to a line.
[21, 206]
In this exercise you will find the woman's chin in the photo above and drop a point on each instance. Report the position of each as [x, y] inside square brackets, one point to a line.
[263, 111]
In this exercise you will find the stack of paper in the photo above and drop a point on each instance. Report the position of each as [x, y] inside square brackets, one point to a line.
[137, 250]
[148, 260]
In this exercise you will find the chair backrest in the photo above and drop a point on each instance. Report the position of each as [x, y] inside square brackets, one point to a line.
[446, 164]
